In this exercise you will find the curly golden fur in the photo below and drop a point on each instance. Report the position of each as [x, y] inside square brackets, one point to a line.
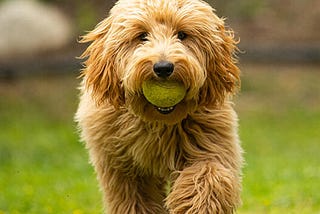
[138, 151]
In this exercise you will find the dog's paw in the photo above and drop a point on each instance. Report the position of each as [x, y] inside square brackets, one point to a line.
[204, 188]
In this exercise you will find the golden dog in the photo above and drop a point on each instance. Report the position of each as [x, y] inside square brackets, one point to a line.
[184, 159]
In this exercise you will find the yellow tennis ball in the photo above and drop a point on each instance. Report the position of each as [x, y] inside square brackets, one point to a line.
[163, 93]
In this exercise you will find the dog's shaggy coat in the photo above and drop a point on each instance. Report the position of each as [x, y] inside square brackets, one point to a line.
[137, 149]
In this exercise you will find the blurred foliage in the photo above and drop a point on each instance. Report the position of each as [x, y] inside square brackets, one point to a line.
[88, 13]
[244, 10]
[86, 22]
[85, 14]
[257, 20]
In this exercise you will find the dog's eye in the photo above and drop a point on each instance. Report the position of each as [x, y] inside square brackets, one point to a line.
[143, 37]
[182, 35]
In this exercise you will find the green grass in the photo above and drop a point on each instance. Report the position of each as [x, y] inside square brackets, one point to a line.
[279, 111]
[44, 168]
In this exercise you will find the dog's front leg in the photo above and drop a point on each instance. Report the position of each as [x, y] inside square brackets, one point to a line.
[134, 194]
[204, 187]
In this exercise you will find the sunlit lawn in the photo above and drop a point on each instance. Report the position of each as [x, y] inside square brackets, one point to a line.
[44, 169]
[279, 111]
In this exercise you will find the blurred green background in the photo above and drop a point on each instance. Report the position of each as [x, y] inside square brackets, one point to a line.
[44, 168]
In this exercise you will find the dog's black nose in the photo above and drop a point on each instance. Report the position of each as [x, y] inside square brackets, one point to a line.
[163, 68]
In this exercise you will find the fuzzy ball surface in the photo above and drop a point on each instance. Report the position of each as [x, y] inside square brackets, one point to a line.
[163, 93]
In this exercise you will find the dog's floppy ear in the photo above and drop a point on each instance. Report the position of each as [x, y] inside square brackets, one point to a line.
[223, 75]
[100, 72]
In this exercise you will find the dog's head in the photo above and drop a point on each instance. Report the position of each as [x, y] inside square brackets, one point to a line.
[182, 40]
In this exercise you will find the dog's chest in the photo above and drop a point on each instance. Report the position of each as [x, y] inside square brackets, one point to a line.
[153, 152]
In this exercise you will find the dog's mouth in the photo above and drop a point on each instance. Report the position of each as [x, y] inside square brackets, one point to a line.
[165, 110]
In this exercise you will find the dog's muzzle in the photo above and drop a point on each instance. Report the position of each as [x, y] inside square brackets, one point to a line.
[163, 69]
